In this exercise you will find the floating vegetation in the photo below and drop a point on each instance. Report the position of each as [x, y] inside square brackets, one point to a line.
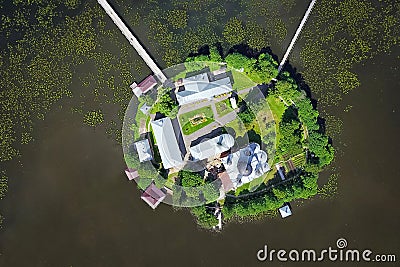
[38, 68]
[342, 34]
[177, 18]
[3, 184]
[47, 41]
[234, 31]
[93, 118]
[72, 4]
[330, 189]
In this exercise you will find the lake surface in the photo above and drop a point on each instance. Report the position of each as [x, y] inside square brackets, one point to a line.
[70, 203]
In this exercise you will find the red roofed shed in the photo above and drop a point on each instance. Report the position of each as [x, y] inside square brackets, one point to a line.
[144, 86]
[153, 196]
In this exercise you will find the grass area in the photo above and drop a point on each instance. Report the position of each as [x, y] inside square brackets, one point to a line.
[256, 182]
[277, 109]
[241, 81]
[238, 126]
[270, 175]
[187, 125]
[188, 128]
[243, 188]
[223, 107]
[139, 117]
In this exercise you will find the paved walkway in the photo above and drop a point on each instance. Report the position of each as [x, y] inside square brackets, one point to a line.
[132, 40]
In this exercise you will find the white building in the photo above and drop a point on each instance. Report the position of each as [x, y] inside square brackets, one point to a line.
[144, 150]
[246, 164]
[212, 147]
[199, 87]
[167, 143]
[285, 211]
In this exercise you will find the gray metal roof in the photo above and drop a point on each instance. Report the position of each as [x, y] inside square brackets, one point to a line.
[212, 147]
[200, 89]
[144, 150]
[167, 143]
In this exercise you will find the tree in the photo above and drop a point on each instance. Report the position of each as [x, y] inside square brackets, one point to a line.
[204, 218]
[267, 68]
[307, 114]
[247, 116]
[289, 142]
[215, 56]
[166, 105]
[239, 61]
[147, 100]
[210, 192]
[190, 179]
[191, 182]
[146, 169]
[319, 145]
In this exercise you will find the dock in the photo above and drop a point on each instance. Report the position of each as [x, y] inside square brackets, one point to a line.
[296, 35]
[133, 40]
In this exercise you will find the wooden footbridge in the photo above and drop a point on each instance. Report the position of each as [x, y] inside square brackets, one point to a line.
[296, 35]
[133, 40]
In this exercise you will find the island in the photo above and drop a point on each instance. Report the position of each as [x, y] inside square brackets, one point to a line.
[227, 137]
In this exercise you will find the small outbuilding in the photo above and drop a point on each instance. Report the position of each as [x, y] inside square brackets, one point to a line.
[145, 109]
[233, 102]
[131, 174]
[144, 86]
[226, 182]
[153, 196]
[144, 150]
[285, 210]
[280, 171]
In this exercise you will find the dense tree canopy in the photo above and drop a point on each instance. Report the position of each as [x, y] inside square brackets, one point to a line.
[165, 104]
[261, 70]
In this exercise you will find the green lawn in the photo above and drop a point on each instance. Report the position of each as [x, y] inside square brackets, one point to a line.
[138, 118]
[277, 108]
[241, 81]
[223, 107]
[188, 127]
[238, 126]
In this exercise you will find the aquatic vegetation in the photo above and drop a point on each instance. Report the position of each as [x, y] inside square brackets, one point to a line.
[39, 67]
[177, 18]
[234, 31]
[256, 36]
[93, 118]
[3, 184]
[47, 47]
[72, 4]
[329, 189]
[342, 34]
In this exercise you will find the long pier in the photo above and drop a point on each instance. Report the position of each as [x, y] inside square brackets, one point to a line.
[296, 35]
[133, 40]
